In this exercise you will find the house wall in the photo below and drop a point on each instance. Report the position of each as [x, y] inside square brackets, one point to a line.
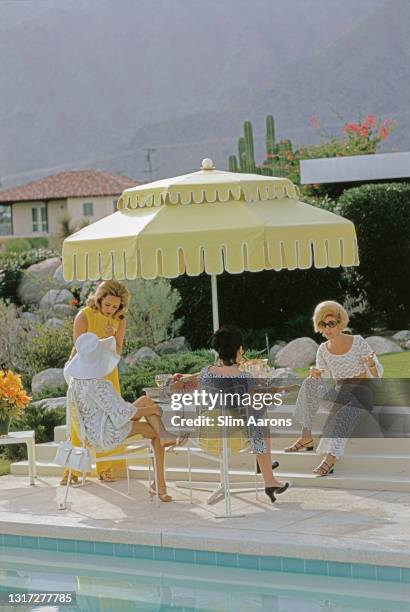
[22, 219]
[102, 206]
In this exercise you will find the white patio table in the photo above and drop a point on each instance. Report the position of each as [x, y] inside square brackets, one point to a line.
[28, 438]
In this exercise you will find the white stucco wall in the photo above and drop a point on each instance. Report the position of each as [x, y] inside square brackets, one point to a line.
[102, 206]
[22, 219]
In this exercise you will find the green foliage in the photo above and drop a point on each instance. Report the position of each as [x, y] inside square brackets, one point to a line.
[48, 348]
[381, 214]
[47, 392]
[11, 266]
[17, 245]
[39, 419]
[281, 302]
[12, 336]
[143, 375]
[151, 317]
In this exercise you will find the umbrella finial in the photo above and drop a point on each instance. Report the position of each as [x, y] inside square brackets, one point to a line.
[207, 164]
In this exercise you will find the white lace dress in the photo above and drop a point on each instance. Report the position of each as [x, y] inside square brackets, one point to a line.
[346, 399]
[104, 416]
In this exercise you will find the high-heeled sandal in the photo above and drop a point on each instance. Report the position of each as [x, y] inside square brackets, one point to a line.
[179, 441]
[164, 497]
[323, 469]
[270, 491]
[106, 476]
[64, 480]
[299, 447]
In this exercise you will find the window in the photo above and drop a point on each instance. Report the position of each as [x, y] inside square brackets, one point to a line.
[6, 225]
[88, 209]
[39, 219]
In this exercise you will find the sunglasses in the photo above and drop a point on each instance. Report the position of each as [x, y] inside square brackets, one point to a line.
[329, 324]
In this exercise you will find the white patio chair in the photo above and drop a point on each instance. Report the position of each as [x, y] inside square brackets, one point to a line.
[136, 450]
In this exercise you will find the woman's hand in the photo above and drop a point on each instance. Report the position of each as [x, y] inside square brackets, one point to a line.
[110, 330]
[369, 360]
[315, 372]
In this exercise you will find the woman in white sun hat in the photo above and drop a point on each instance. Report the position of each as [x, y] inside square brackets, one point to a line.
[108, 419]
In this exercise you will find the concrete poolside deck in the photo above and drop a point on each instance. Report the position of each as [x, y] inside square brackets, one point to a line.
[329, 524]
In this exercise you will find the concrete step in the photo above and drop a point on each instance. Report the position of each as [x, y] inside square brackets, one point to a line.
[60, 433]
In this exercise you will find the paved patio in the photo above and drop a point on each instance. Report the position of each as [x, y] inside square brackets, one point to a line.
[329, 524]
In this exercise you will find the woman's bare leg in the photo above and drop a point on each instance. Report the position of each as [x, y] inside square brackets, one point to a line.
[146, 430]
[148, 409]
[265, 463]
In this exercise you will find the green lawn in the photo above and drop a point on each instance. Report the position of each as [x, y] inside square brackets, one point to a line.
[396, 365]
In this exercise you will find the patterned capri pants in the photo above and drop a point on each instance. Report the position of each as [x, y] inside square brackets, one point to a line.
[346, 401]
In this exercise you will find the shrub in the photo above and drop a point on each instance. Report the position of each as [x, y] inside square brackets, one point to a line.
[151, 317]
[17, 245]
[39, 419]
[48, 348]
[47, 392]
[143, 375]
[12, 337]
[11, 266]
[381, 214]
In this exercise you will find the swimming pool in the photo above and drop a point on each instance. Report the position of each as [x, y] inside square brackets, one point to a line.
[154, 578]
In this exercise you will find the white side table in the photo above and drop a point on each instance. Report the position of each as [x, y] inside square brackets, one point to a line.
[28, 438]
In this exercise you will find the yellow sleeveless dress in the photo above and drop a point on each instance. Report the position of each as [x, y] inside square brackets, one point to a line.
[96, 323]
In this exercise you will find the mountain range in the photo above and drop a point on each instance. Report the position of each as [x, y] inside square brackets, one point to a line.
[93, 83]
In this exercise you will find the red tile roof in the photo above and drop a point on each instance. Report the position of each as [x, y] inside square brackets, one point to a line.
[75, 183]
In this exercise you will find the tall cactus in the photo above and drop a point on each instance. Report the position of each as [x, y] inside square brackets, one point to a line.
[233, 163]
[277, 161]
[270, 135]
[250, 153]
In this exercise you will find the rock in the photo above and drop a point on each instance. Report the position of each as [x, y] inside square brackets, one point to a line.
[297, 354]
[407, 345]
[29, 316]
[61, 311]
[285, 376]
[402, 337]
[275, 350]
[143, 353]
[175, 345]
[51, 403]
[37, 279]
[53, 323]
[52, 377]
[382, 345]
[56, 296]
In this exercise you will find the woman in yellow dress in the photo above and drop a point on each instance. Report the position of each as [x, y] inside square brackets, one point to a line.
[104, 315]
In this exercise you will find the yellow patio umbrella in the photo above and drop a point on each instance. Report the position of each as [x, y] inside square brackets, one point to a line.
[209, 221]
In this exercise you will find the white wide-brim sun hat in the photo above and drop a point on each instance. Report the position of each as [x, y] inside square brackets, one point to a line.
[94, 358]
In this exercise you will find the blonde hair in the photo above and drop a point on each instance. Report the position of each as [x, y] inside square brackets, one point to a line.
[115, 289]
[329, 308]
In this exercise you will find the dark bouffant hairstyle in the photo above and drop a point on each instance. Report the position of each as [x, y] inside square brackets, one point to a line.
[226, 341]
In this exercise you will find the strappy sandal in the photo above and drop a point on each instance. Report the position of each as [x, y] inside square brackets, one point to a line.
[179, 441]
[106, 476]
[300, 447]
[64, 480]
[164, 497]
[323, 469]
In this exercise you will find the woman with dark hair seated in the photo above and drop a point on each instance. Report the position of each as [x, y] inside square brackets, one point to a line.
[225, 375]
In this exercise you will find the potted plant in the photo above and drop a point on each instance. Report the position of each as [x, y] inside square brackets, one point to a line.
[13, 399]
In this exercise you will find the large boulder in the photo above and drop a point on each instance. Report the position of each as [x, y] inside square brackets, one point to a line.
[284, 376]
[53, 323]
[407, 345]
[175, 345]
[51, 403]
[56, 296]
[143, 353]
[52, 377]
[60, 311]
[299, 353]
[274, 350]
[382, 345]
[36, 280]
[402, 337]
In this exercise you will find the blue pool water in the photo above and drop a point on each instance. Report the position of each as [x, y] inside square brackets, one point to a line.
[124, 582]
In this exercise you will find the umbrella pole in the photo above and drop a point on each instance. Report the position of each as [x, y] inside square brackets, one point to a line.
[215, 313]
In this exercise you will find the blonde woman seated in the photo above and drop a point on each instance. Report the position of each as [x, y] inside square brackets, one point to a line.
[107, 418]
[348, 360]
